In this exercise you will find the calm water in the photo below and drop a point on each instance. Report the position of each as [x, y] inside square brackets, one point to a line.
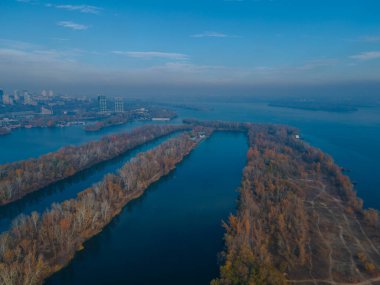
[27, 143]
[172, 234]
[66, 189]
[353, 139]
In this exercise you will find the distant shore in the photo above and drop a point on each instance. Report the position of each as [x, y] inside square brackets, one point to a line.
[311, 106]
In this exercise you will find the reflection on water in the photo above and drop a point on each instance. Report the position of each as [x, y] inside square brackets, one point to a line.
[172, 234]
[352, 139]
[68, 188]
[26, 143]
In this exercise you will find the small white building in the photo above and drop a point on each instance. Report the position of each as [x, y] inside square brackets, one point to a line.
[160, 119]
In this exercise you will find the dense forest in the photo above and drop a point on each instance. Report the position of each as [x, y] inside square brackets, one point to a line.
[38, 245]
[298, 220]
[20, 178]
[219, 125]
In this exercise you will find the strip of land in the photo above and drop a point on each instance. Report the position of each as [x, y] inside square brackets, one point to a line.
[20, 178]
[298, 220]
[37, 246]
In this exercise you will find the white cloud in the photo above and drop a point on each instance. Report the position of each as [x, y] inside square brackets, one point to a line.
[16, 44]
[371, 39]
[187, 67]
[30, 2]
[369, 55]
[72, 25]
[28, 64]
[249, 0]
[318, 63]
[88, 9]
[209, 34]
[153, 55]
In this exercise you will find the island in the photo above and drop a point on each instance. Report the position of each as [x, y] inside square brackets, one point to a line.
[37, 246]
[141, 114]
[312, 105]
[49, 110]
[4, 131]
[20, 178]
[298, 219]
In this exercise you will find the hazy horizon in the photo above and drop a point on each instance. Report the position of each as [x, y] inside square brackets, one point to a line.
[149, 48]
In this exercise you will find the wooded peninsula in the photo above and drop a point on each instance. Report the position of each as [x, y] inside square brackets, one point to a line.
[19, 178]
[298, 219]
[38, 245]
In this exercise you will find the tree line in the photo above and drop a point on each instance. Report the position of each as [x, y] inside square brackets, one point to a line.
[271, 231]
[20, 178]
[270, 222]
[38, 245]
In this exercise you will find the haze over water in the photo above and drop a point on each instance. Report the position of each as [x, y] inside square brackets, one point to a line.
[230, 60]
[351, 138]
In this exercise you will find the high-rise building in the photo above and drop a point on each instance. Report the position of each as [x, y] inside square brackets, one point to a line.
[102, 101]
[1, 95]
[119, 105]
[27, 99]
[46, 111]
[7, 100]
[16, 96]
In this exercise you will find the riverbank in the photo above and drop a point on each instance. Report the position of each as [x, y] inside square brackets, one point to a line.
[20, 178]
[4, 131]
[299, 220]
[173, 232]
[54, 238]
[68, 188]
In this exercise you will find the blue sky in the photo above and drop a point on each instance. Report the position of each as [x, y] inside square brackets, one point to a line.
[134, 42]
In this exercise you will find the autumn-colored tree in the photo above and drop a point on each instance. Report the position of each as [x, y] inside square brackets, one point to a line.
[20, 178]
[37, 246]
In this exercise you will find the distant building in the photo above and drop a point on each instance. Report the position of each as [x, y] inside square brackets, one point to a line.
[119, 105]
[16, 96]
[161, 119]
[102, 101]
[7, 100]
[27, 99]
[46, 111]
[1, 95]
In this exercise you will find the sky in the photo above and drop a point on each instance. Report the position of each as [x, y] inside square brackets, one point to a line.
[100, 45]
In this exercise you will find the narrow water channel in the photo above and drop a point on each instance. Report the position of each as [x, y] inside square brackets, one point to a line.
[68, 188]
[173, 233]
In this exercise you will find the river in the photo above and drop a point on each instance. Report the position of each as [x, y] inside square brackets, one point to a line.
[68, 188]
[172, 234]
[352, 139]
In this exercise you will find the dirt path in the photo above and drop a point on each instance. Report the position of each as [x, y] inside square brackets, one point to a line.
[347, 239]
[305, 281]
